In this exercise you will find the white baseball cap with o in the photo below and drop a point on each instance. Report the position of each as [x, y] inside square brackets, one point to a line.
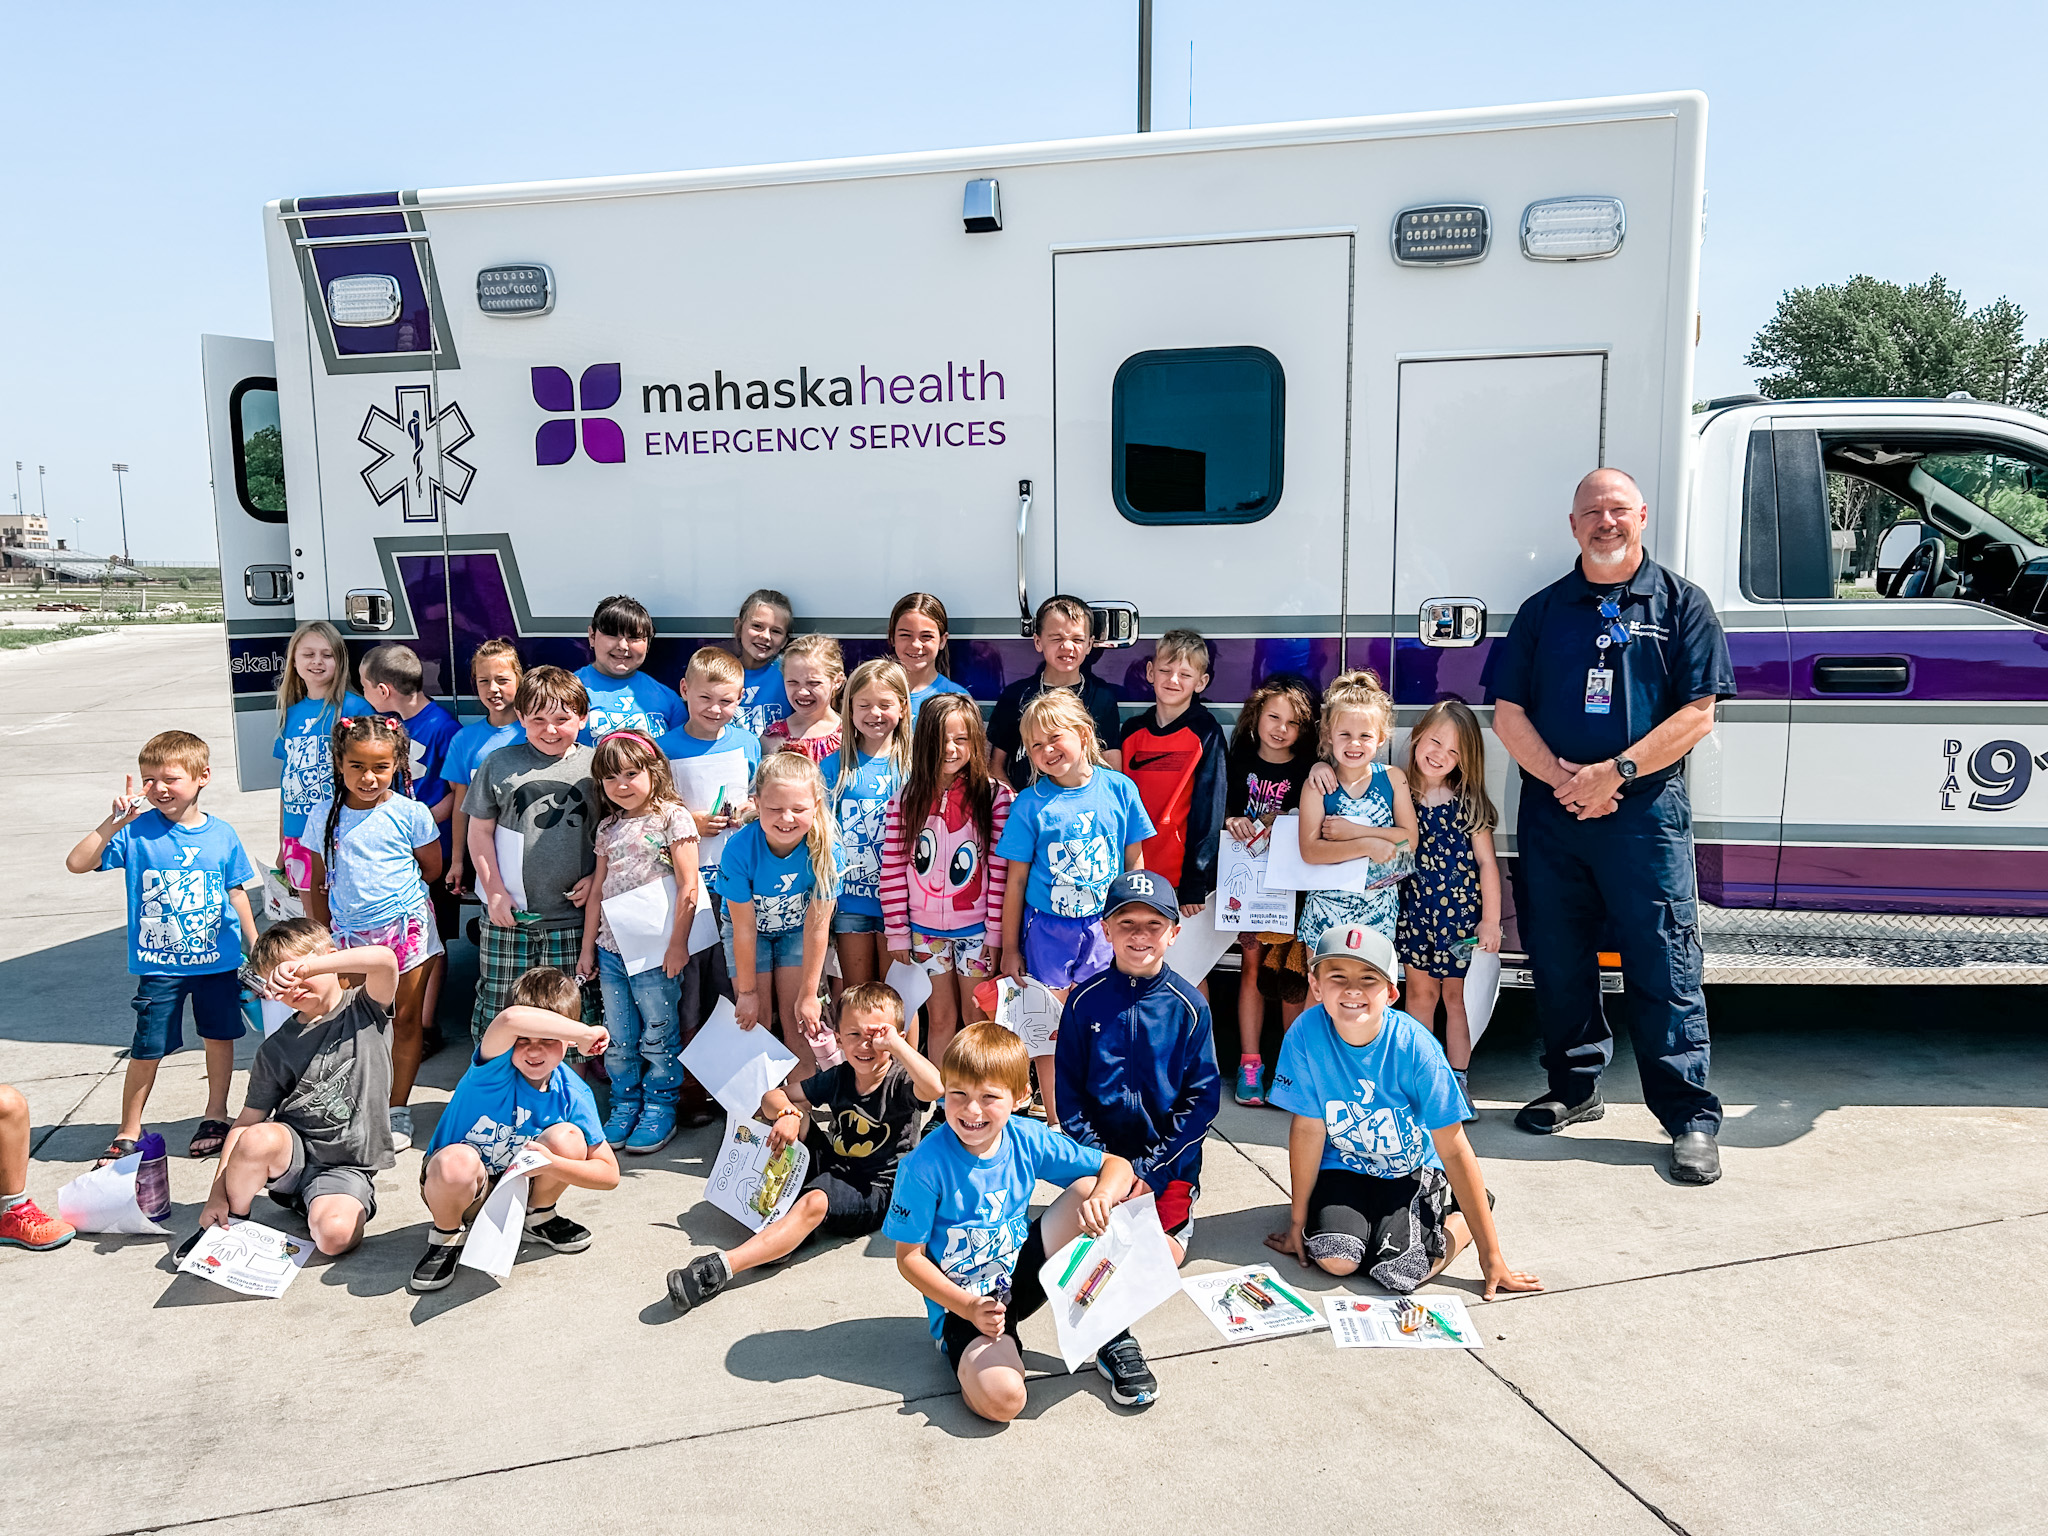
[1355, 942]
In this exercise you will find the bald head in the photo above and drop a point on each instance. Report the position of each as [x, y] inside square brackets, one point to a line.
[1608, 514]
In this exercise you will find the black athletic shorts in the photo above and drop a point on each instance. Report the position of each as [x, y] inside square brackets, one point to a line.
[850, 1211]
[1393, 1229]
[1026, 1297]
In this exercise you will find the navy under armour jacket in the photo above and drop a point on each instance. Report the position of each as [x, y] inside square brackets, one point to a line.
[1135, 1069]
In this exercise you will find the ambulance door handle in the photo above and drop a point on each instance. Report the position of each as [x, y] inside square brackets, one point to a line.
[1023, 523]
[1451, 623]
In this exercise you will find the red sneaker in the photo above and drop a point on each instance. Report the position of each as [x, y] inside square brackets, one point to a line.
[25, 1226]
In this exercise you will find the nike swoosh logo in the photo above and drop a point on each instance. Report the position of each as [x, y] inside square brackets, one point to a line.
[1157, 757]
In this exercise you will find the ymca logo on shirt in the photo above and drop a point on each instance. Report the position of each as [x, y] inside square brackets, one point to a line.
[975, 1258]
[604, 721]
[1383, 1142]
[180, 920]
[308, 767]
[1081, 869]
[780, 914]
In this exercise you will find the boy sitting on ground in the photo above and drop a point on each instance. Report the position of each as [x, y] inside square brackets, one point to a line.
[960, 1214]
[1381, 1167]
[1136, 1075]
[517, 1094]
[316, 1127]
[872, 1107]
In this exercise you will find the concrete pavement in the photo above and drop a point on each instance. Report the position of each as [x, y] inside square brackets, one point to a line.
[1842, 1335]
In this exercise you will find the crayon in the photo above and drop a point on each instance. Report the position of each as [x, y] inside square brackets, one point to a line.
[1095, 1283]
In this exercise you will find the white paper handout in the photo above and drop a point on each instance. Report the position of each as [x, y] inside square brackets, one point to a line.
[1099, 1286]
[750, 1185]
[1245, 904]
[103, 1200]
[493, 1241]
[249, 1258]
[736, 1065]
[274, 1014]
[641, 921]
[1251, 1303]
[1199, 944]
[708, 784]
[511, 850]
[1287, 870]
[1028, 1010]
[913, 986]
[1482, 990]
[1441, 1322]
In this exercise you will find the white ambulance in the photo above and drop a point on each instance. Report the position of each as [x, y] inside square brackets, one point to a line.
[1319, 390]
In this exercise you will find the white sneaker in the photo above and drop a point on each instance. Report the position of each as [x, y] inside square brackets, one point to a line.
[401, 1128]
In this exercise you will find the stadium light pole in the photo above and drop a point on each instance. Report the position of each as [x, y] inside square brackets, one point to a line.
[1144, 66]
[120, 483]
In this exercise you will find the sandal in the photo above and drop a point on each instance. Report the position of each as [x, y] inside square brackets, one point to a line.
[207, 1141]
[117, 1149]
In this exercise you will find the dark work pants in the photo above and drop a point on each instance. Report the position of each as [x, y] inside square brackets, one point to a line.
[1627, 877]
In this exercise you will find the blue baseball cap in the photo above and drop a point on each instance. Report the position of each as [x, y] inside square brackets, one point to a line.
[1146, 889]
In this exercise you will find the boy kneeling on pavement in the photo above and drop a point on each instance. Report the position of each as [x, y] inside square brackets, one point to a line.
[1136, 1075]
[1383, 1175]
[515, 1095]
[316, 1129]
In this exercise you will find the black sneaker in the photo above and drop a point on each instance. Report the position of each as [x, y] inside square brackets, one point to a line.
[436, 1266]
[1547, 1116]
[698, 1281]
[560, 1234]
[1122, 1363]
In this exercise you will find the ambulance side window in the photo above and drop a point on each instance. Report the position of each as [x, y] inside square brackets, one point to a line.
[259, 449]
[1196, 435]
[1860, 513]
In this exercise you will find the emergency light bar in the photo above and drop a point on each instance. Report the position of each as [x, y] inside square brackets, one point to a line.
[369, 298]
[1573, 228]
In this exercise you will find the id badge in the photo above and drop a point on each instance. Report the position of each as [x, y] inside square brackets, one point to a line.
[1599, 690]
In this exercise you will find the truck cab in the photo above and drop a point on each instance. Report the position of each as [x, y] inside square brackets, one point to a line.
[1867, 807]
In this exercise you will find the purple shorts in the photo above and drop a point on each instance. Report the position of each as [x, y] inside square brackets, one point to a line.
[1063, 952]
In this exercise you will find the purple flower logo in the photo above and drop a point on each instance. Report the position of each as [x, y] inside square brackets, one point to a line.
[603, 439]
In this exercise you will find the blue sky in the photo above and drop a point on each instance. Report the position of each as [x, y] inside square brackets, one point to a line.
[141, 142]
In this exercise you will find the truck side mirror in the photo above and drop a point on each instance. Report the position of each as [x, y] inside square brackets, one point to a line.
[1899, 541]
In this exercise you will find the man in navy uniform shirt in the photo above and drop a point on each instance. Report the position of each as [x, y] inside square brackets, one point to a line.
[1606, 680]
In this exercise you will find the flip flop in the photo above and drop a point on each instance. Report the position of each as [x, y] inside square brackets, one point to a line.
[207, 1141]
[117, 1149]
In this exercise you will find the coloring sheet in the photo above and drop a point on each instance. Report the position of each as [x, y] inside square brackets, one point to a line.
[493, 1241]
[913, 986]
[1029, 1011]
[1097, 1287]
[1200, 943]
[1482, 991]
[1251, 1303]
[747, 1183]
[1245, 903]
[511, 849]
[737, 1065]
[708, 784]
[1287, 870]
[249, 1258]
[641, 921]
[103, 1200]
[1359, 1322]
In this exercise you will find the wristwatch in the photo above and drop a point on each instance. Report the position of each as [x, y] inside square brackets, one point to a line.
[1626, 768]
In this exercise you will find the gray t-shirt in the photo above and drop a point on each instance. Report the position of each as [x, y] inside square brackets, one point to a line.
[330, 1081]
[551, 804]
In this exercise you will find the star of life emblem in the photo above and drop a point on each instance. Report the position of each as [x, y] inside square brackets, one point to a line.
[405, 464]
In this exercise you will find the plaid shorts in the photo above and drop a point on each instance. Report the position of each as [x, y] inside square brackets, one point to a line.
[506, 954]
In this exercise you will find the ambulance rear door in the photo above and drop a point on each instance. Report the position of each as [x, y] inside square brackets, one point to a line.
[247, 453]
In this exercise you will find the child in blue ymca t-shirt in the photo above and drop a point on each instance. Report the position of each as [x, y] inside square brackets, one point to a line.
[960, 1215]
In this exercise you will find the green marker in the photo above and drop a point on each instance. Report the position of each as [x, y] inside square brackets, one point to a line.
[1080, 1253]
[1274, 1283]
[1443, 1327]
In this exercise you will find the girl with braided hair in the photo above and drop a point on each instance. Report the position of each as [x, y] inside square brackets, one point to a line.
[373, 850]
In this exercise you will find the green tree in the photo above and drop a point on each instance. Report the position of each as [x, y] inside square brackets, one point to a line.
[1870, 337]
[263, 468]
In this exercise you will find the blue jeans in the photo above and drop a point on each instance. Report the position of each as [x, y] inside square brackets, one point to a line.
[643, 1060]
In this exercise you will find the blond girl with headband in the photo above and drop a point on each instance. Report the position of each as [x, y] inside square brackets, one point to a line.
[1076, 827]
[780, 876]
[874, 760]
[1363, 813]
[813, 671]
[312, 696]
[647, 836]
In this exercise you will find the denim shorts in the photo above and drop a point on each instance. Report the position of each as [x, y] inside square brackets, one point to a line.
[844, 921]
[160, 1006]
[772, 951]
